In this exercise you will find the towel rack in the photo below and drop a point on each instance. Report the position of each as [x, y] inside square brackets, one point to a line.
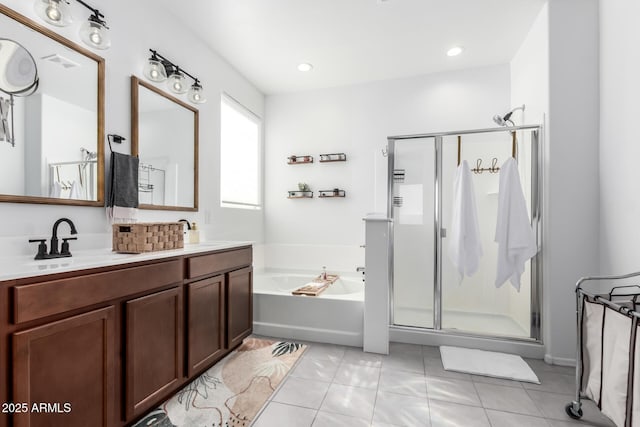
[514, 146]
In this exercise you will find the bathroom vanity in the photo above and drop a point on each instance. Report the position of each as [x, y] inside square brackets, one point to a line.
[100, 346]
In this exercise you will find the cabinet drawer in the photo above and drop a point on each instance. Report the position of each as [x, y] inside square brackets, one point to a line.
[222, 261]
[58, 296]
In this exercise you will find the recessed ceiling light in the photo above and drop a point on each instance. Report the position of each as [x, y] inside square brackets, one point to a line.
[455, 51]
[305, 66]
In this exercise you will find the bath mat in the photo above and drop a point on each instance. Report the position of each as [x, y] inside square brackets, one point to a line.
[487, 363]
[232, 392]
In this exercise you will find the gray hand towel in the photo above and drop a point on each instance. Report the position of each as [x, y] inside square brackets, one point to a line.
[124, 181]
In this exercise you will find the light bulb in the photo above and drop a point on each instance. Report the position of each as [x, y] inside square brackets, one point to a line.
[196, 94]
[154, 70]
[176, 82]
[455, 51]
[53, 12]
[95, 36]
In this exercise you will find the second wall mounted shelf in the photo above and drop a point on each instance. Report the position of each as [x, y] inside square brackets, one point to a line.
[333, 157]
[331, 193]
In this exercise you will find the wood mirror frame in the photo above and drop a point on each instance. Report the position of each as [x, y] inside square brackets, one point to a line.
[100, 63]
[136, 83]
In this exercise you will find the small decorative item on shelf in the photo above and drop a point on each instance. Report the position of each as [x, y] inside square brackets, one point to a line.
[303, 186]
[296, 160]
[336, 192]
[333, 157]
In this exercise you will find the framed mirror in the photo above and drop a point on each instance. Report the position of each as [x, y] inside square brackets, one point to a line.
[52, 138]
[164, 133]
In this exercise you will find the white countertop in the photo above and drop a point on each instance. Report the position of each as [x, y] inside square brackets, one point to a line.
[17, 267]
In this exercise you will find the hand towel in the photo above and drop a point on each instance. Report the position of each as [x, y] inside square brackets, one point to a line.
[465, 246]
[515, 238]
[122, 203]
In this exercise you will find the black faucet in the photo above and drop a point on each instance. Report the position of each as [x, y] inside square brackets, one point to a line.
[53, 252]
[188, 224]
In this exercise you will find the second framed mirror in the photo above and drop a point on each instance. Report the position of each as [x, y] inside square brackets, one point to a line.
[164, 133]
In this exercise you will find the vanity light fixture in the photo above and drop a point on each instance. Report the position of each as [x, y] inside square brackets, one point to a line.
[159, 69]
[93, 32]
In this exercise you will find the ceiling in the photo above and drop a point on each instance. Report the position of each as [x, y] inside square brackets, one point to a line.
[355, 41]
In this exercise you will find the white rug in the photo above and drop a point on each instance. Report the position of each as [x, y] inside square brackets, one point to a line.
[487, 363]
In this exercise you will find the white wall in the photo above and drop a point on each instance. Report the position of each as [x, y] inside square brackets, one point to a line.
[571, 212]
[619, 146]
[132, 36]
[357, 120]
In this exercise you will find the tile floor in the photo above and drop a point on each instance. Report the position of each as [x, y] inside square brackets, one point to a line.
[335, 386]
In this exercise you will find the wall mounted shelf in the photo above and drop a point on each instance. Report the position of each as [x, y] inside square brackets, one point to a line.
[298, 160]
[333, 157]
[300, 194]
[331, 193]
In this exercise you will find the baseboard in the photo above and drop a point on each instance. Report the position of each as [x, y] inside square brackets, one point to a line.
[329, 336]
[560, 361]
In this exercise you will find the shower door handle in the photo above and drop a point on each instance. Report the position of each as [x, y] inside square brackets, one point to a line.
[443, 232]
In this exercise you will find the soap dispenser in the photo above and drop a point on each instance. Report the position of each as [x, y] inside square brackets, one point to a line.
[194, 234]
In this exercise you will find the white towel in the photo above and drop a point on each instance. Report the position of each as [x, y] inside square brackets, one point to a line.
[465, 246]
[515, 238]
[76, 191]
[56, 190]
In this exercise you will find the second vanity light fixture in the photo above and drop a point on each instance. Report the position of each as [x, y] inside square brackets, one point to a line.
[159, 69]
[93, 32]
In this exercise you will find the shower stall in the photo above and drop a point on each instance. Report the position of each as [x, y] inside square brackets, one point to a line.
[426, 291]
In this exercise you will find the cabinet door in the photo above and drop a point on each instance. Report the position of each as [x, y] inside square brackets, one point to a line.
[205, 331]
[239, 305]
[68, 364]
[154, 349]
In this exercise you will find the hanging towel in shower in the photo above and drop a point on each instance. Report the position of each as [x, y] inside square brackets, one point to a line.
[515, 238]
[122, 204]
[465, 246]
[76, 191]
[56, 190]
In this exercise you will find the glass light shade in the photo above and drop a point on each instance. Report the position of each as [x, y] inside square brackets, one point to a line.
[196, 94]
[177, 83]
[54, 12]
[95, 34]
[155, 71]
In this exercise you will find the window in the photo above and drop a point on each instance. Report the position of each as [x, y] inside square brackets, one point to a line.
[239, 156]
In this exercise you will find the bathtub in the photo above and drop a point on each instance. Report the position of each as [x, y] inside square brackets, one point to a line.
[335, 316]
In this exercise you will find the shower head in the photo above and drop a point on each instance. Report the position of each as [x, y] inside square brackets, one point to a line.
[504, 120]
[89, 155]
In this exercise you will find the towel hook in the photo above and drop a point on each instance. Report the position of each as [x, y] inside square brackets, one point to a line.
[459, 148]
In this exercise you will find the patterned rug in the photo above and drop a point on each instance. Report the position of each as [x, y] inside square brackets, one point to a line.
[232, 391]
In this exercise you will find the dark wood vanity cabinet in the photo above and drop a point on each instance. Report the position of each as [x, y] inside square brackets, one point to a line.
[206, 322]
[69, 364]
[154, 349]
[114, 342]
[239, 305]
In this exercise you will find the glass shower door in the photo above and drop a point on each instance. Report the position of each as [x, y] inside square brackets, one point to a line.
[413, 215]
[474, 304]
